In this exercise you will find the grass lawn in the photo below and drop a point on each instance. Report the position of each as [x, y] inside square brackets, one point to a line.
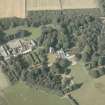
[20, 94]
[35, 31]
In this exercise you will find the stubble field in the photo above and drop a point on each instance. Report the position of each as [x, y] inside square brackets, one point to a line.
[11, 8]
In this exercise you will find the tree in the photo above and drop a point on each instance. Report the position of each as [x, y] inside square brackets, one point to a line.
[94, 73]
[101, 60]
[23, 62]
[55, 68]
[87, 53]
[67, 71]
[101, 4]
[66, 42]
[64, 63]
[85, 57]
[61, 66]
[88, 50]
[95, 59]
[2, 37]
[101, 43]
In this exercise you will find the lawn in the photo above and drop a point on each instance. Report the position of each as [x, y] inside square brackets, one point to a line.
[35, 31]
[20, 94]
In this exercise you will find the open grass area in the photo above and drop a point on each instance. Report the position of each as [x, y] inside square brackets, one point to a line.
[35, 31]
[3, 81]
[20, 94]
[80, 73]
[92, 91]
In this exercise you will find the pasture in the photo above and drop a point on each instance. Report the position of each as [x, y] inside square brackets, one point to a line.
[20, 94]
[92, 92]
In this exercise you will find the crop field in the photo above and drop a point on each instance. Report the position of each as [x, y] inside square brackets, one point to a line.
[54, 4]
[18, 8]
[11, 8]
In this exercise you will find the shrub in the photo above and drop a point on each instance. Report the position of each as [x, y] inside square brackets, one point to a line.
[88, 66]
[94, 73]
[101, 71]
[101, 60]
[78, 56]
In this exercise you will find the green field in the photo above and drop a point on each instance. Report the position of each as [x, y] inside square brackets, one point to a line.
[92, 91]
[35, 31]
[20, 94]
[80, 73]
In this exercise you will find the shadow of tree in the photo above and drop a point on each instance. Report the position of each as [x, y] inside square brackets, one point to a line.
[77, 86]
